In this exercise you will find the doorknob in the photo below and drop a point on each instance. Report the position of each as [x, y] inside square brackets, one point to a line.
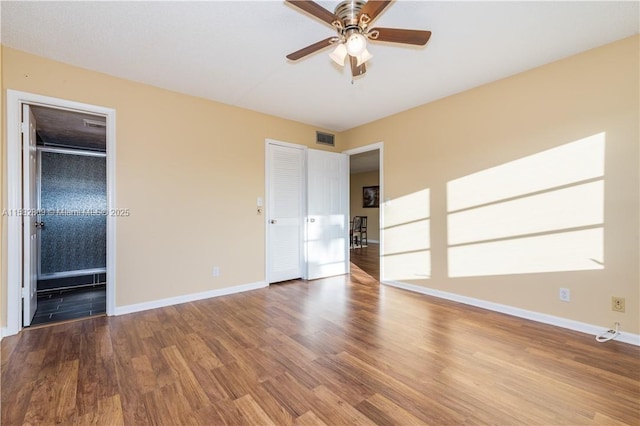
[274, 221]
[39, 224]
[312, 220]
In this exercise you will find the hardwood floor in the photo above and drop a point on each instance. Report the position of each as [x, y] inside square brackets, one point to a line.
[336, 351]
[367, 259]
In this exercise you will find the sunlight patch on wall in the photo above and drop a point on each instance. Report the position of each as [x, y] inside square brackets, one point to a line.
[568, 251]
[565, 208]
[407, 239]
[541, 213]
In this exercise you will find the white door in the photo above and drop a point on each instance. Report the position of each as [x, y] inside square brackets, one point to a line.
[29, 219]
[327, 214]
[285, 211]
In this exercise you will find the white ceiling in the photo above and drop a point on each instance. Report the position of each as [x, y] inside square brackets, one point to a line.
[234, 51]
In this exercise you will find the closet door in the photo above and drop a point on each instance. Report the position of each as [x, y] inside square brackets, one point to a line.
[327, 214]
[285, 212]
[29, 219]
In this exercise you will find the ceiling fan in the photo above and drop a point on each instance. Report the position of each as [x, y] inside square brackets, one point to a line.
[351, 20]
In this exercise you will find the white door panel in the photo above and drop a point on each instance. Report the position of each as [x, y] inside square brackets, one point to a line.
[327, 214]
[285, 212]
[30, 254]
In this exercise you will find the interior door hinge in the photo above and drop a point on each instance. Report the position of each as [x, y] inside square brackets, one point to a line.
[23, 127]
[25, 292]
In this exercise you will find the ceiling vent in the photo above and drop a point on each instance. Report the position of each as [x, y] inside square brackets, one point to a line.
[94, 123]
[325, 138]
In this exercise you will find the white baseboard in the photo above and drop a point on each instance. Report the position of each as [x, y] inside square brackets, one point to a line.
[4, 331]
[153, 304]
[582, 327]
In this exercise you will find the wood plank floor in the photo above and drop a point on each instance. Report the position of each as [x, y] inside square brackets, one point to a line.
[367, 259]
[338, 351]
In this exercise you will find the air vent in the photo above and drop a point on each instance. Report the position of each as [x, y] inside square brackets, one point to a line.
[325, 138]
[94, 123]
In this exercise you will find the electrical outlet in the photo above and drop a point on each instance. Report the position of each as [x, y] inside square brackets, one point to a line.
[565, 294]
[617, 304]
[216, 271]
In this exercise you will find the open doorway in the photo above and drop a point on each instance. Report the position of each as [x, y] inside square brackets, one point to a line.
[365, 209]
[31, 143]
[71, 207]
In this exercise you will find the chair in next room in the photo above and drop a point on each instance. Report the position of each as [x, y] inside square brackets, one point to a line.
[359, 232]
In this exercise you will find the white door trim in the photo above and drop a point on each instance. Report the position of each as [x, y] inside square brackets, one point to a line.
[367, 148]
[15, 99]
[266, 212]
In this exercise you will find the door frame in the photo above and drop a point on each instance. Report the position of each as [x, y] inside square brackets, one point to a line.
[303, 223]
[366, 148]
[14, 179]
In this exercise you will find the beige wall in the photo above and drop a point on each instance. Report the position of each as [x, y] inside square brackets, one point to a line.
[188, 169]
[356, 182]
[426, 147]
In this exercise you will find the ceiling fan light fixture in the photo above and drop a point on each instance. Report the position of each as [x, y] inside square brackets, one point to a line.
[339, 54]
[351, 19]
[356, 44]
[364, 57]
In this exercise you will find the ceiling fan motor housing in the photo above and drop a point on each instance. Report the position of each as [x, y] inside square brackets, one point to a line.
[348, 11]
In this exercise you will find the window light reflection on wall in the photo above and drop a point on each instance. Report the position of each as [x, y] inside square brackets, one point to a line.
[407, 241]
[541, 213]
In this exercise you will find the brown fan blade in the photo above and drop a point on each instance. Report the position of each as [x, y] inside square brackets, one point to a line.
[310, 49]
[395, 35]
[355, 69]
[314, 9]
[373, 8]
